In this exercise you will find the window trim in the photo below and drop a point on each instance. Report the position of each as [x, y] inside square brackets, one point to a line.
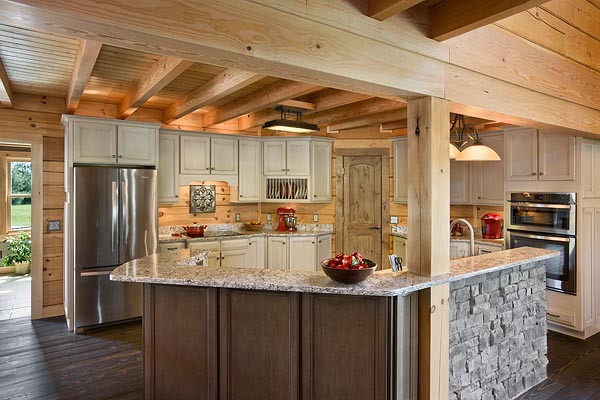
[5, 171]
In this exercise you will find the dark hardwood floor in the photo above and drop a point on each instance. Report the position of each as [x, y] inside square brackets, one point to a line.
[42, 360]
[573, 372]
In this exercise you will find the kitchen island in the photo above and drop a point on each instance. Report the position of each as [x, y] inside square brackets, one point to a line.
[276, 334]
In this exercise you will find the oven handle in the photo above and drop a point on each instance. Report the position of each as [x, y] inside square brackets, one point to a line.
[537, 205]
[540, 237]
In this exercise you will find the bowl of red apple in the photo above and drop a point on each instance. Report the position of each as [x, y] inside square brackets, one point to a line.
[348, 268]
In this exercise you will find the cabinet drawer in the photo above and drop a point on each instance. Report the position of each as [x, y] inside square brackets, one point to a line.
[560, 317]
[164, 247]
[234, 244]
[205, 246]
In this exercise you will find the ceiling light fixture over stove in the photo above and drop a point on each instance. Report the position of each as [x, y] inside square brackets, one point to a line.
[290, 125]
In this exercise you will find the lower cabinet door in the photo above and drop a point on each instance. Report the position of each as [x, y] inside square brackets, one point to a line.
[233, 258]
[277, 248]
[258, 345]
[303, 253]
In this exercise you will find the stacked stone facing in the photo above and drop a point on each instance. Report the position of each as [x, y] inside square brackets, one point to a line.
[498, 333]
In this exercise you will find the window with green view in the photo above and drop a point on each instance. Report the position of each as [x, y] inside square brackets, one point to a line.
[19, 195]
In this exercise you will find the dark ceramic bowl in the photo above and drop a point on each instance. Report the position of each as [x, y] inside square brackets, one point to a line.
[349, 275]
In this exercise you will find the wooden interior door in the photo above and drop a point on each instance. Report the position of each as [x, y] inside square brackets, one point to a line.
[362, 206]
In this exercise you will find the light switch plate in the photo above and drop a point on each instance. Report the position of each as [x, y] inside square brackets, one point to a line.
[238, 217]
[393, 219]
[315, 217]
[268, 217]
[53, 225]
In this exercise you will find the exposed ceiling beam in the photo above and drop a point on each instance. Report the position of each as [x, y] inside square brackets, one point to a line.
[87, 54]
[451, 18]
[6, 93]
[390, 126]
[227, 82]
[355, 110]
[298, 104]
[383, 9]
[263, 98]
[370, 119]
[332, 98]
[165, 70]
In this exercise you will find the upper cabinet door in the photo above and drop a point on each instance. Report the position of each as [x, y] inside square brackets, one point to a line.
[521, 155]
[460, 184]
[136, 145]
[489, 175]
[298, 158]
[274, 158]
[224, 156]
[321, 171]
[94, 143]
[194, 155]
[557, 157]
[249, 176]
[400, 171]
[168, 175]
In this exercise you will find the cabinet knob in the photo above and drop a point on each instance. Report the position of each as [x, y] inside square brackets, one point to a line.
[241, 195]
[207, 168]
[312, 242]
[533, 173]
[541, 174]
[283, 243]
[320, 241]
[176, 196]
[283, 169]
[222, 258]
[249, 244]
[478, 197]
[120, 156]
[314, 195]
[114, 156]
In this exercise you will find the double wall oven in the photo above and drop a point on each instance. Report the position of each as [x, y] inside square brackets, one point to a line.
[547, 221]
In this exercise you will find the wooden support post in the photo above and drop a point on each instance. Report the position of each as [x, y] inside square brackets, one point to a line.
[429, 240]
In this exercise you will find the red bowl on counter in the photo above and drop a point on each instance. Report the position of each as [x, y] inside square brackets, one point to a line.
[349, 276]
[195, 230]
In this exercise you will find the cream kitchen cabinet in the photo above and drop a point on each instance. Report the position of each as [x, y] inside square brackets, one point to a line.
[486, 249]
[460, 182]
[101, 141]
[324, 249]
[487, 177]
[400, 152]
[277, 252]
[214, 251]
[168, 175]
[590, 168]
[255, 256]
[320, 170]
[249, 175]
[533, 155]
[203, 155]
[298, 253]
[302, 253]
[459, 249]
[170, 247]
[234, 253]
[286, 157]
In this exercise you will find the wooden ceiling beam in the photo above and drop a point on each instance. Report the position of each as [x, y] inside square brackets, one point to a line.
[366, 120]
[332, 98]
[227, 82]
[384, 9]
[87, 54]
[298, 104]
[356, 110]
[164, 71]
[6, 93]
[452, 18]
[263, 98]
[392, 125]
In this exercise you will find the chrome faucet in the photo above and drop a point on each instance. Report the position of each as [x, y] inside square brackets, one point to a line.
[464, 221]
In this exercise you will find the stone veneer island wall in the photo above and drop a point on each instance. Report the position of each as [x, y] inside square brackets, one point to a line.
[498, 333]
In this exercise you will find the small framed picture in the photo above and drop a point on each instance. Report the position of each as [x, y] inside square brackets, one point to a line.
[203, 198]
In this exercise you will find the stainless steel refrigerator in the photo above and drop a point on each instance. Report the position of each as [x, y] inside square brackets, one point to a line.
[115, 221]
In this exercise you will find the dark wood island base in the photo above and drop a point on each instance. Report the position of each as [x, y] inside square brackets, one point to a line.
[217, 343]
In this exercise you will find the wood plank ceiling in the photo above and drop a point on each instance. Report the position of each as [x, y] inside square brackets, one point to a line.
[185, 93]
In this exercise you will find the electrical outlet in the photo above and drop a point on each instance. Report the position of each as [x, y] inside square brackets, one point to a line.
[269, 217]
[315, 217]
[53, 225]
[393, 219]
[238, 217]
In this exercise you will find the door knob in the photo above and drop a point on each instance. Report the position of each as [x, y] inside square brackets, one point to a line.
[376, 227]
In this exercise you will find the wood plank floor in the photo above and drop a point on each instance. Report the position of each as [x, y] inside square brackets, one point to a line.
[42, 360]
[573, 372]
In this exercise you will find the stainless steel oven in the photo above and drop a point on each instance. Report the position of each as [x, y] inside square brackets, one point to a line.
[547, 221]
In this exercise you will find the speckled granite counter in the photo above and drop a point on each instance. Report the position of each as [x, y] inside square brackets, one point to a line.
[162, 269]
[237, 235]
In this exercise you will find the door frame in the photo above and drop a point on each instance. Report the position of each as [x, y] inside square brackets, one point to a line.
[37, 244]
[384, 153]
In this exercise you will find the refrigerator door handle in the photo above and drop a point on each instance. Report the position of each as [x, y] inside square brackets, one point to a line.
[125, 215]
[96, 273]
[115, 217]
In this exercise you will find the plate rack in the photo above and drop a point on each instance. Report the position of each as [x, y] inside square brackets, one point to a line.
[287, 189]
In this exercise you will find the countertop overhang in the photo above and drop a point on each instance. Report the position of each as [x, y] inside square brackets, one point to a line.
[163, 269]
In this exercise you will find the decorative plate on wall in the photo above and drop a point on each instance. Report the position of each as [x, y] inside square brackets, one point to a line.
[202, 198]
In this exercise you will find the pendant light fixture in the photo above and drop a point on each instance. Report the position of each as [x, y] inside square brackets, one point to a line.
[290, 125]
[459, 148]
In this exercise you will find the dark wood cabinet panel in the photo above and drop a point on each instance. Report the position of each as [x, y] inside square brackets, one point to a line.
[258, 345]
[180, 343]
[345, 347]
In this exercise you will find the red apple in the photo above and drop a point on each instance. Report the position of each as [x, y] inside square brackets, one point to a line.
[347, 262]
[358, 256]
[340, 256]
[333, 263]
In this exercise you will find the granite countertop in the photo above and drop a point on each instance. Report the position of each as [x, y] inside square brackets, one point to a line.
[463, 238]
[163, 269]
[236, 235]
